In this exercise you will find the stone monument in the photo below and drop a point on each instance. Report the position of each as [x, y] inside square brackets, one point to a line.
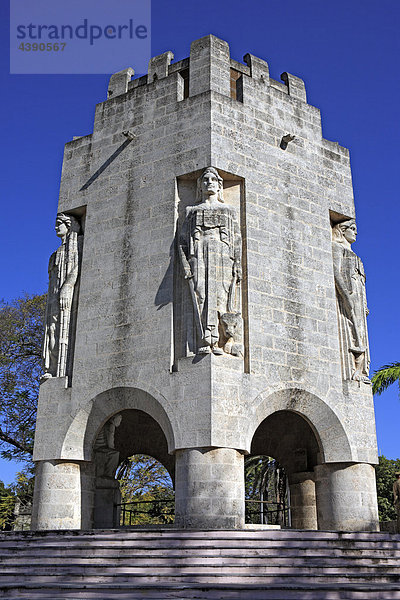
[205, 302]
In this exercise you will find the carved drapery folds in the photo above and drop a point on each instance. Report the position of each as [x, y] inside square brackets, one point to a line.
[106, 457]
[210, 256]
[62, 299]
[351, 303]
[107, 497]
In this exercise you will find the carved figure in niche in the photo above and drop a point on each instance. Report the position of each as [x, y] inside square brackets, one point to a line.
[351, 302]
[210, 253]
[106, 457]
[62, 298]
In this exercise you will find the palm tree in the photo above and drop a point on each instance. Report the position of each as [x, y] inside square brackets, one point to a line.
[266, 482]
[384, 377]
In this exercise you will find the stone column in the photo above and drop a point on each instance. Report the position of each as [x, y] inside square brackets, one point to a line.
[209, 488]
[62, 496]
[346, 497]
[302, 501]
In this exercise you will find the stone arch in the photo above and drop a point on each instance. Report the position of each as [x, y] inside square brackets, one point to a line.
[89, 420]
[288, 438]
[325, 424]
[140, 433]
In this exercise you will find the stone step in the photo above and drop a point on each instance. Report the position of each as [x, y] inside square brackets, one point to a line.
[163, 560]
[128, 534]
[205, 592]
[191, 568]
[205, 575]
[116, 554]
[166, 564]
[198, 544]
[214, 592]
[208, 545]
[171, 532]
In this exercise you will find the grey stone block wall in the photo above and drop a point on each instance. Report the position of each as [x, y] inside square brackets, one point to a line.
[126, 188]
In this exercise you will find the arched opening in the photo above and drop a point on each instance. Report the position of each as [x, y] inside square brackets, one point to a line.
[147, 492]
[266, 491]
[132, 444]
[293, 450]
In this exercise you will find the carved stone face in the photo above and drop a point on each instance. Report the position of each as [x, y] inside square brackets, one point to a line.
[230, 323]
[350, 234]
[61, 228]
[209, 184]
[117, 420]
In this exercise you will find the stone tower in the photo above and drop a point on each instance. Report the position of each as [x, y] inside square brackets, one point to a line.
[205, 303]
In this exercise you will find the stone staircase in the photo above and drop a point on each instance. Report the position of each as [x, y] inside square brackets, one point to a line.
[168, 564]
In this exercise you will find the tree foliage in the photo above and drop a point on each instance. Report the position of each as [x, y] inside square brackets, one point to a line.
[7, 502]
[21, 335]
[21, 489]
[265, 480]
[141, 475]
[385, 477]
[384, 377]
[145, 482]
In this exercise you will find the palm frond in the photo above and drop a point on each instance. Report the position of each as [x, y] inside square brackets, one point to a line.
[384, 377]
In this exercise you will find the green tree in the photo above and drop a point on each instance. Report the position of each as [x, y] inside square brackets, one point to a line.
[385, 477]
[21, 489]
[145, 482]
[265, 480]
[7, 502]
[384, 377]
[21, 334]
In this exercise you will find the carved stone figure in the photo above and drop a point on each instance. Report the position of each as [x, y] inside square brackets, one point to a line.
[210, 253]
[106, 457]
[351, 302]
[230, 325]
[62, 298]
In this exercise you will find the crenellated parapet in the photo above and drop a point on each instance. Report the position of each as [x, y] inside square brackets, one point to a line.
[209, 68]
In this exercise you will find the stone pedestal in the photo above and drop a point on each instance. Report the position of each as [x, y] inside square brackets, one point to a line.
[209, 488]
[107, 497]
[346, 497]
[302, 501]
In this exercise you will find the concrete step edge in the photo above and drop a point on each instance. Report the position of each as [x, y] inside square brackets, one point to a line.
[216, 533]
[198, 543]
[114, 576]
[211, 585]
[206, 564]
[317, 560]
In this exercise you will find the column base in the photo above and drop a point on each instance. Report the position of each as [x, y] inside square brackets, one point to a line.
[303, 507]
[346, 497]
[62, 495]
[209, 488]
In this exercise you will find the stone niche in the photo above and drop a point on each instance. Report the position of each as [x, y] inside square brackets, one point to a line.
[185, 334]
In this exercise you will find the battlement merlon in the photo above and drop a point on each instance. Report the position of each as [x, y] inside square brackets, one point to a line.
[209, 67]
[137, 106]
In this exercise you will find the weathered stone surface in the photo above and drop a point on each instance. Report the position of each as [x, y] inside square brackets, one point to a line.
[209, 488]
[351, 303]
[62, 299]
[210, 251]
[127, 355]
[346, 497]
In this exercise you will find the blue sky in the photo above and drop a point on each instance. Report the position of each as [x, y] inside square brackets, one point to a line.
[348, 54]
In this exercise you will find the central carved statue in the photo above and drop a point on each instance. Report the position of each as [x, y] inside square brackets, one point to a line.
[210, 253]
